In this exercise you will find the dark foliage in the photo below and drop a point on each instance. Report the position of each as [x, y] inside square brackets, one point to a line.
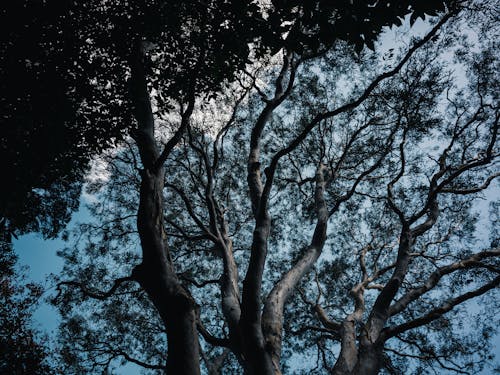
[64, 67]
[22, 349]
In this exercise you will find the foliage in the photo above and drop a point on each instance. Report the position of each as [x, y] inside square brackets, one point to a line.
[64, 68]
[23, 350]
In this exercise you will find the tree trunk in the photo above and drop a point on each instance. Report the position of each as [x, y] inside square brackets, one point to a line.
[257, 359]
[156, 273]
[157, 276]
[370, 360]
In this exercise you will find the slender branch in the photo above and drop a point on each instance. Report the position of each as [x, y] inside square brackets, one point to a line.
[470, 262]
[475, 189]
[353, 104]
[139, 362]
[440, 311]
[390, 200]
[191, 212]
[100, 295]
[362, 175]
[198, 284]
[185, 119]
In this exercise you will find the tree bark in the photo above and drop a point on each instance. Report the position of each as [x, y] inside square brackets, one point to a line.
[257, 360]
[370, 360]
[157, 277]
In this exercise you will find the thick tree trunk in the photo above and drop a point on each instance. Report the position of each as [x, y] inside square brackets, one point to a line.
[157, 277]
[156, 273]
[370, 360]
[348, 355]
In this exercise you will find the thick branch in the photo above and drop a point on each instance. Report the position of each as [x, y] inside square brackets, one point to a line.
[325, 321]
[143, 113]
[254, 174]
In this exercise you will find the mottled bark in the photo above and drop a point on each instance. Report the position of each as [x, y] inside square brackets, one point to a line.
[230, 298]
[370, 359]
[348, 356]
[157, 277]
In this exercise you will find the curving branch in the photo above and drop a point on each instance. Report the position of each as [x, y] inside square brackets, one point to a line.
[138, 362]
[390, 185]
[191, 212]
[272, 316]
[100, 295]
[351, 105]
[440, 311]
[281, 93]
[106, 348]
[211, 339]
[345, 197]
[472, 190]
[474, 261]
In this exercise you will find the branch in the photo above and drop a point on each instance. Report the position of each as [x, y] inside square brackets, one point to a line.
[475, 189]
[138, 362]
[437, 187]
[198, 284]
[429, 356]
[172, 142]
[439, 311]
[212, 340]
[470, 262]
[106, 348]
[353, 104]
[141, 102]
[191, 212]
[272, 316]
[251, 298]
[390, 199]
[325, 321]
[362, 175]
[92, 294]
[254, 176]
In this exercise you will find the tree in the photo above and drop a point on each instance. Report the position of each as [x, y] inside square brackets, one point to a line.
[76, 78]
[23, 350]
[391, 226]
